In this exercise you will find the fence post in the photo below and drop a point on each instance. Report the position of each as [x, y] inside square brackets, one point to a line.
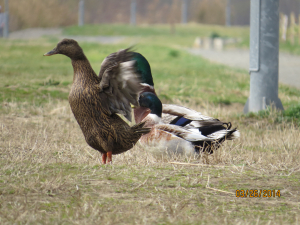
[184, 13]
[81, 13]
[6, 20]
[228, 13]
[133, 12]
[264, 43]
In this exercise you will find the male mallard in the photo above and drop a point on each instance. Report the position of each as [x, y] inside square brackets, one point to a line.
[179, 134]
[170, 111]
[171, 114]
[96, 100]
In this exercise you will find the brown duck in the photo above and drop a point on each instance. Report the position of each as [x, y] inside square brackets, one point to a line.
[95, 100]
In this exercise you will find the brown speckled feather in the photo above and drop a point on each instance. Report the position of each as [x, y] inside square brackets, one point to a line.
[103, 130]
[156, 135]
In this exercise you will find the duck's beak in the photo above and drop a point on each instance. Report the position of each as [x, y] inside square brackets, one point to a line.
[52, 52]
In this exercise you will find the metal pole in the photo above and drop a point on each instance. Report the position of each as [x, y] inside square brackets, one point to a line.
[228, 13]
[264, 42]
[6, 21]
[133, 12]
[81, 13]
[184, 12]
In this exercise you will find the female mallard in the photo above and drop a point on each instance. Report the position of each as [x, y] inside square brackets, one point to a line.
[96, 100]
[181, 135]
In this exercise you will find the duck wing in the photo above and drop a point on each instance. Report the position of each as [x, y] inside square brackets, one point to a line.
[120, 82]
[124, 55]
[205, 138]
[183, 116]
[185, 134]
[219, 132]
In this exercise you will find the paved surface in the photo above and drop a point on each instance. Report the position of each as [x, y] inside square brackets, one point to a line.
[289, 65]
[33, 33]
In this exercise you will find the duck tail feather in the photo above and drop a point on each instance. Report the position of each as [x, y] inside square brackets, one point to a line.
[234, 134]
[139, 128]
[143, 131]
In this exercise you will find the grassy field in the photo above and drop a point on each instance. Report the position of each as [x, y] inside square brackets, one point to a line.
[172, 34]
[49, 175]
[179, 34]
[172, 31]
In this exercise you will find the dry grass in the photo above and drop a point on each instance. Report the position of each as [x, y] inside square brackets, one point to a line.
[48, 175]
[56, 13]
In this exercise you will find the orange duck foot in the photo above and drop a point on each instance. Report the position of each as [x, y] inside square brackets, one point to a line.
[108, 156]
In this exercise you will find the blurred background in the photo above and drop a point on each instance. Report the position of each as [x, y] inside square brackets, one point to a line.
[55, 13]
[217, 30]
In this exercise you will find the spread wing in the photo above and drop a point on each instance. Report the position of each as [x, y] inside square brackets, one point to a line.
[120, 82]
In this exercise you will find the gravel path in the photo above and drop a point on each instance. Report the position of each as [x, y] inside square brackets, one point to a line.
[289, 65]
[34, 33]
